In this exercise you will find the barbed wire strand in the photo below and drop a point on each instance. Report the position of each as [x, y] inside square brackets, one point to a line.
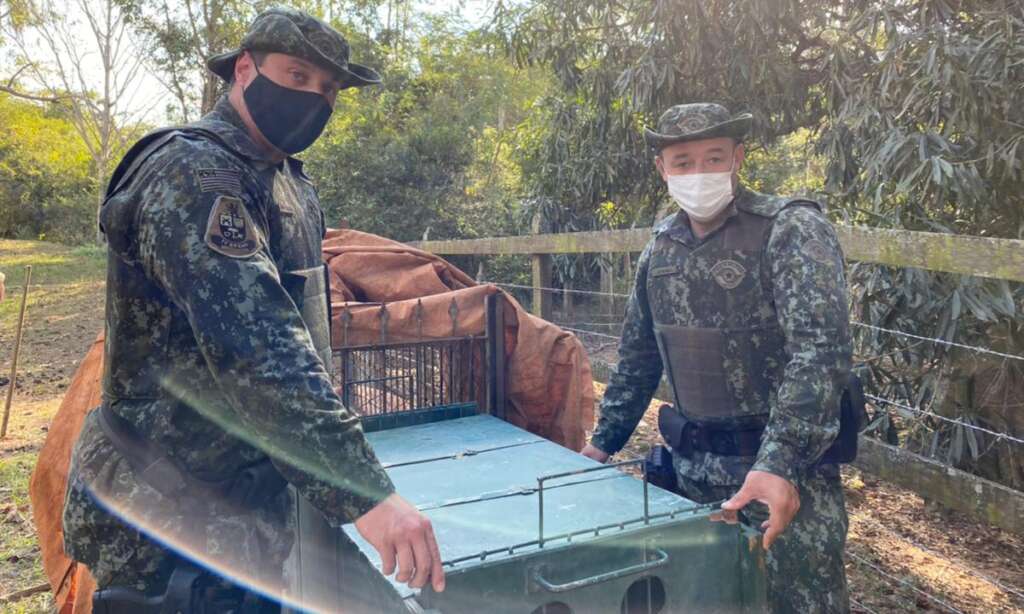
[588, 332]
[970, 570]
[862, 606]
[963, 346]
[588, 323]
[982, 429]
[886, 574]
[569, 290]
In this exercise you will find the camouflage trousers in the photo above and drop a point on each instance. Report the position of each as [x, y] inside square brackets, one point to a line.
[130, 536]
[806, 573]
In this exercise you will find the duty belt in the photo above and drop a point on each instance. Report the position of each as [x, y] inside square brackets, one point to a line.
[686, 437]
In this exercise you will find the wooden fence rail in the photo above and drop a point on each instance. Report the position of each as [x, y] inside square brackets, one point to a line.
[978, 256]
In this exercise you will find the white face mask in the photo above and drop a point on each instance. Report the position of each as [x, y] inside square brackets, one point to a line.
[702, 195]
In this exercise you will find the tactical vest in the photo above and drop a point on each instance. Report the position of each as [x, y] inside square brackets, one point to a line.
[295, 246]
[714, 316]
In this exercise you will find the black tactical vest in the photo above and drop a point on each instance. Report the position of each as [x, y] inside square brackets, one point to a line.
[714, 316]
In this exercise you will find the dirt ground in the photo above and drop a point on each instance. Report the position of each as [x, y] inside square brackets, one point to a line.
[904, 555]
[64, 314]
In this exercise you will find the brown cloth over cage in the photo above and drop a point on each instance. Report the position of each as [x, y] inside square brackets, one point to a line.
[549, 388]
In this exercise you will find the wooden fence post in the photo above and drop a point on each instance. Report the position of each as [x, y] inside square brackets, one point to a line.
[541, 266]
[17, 346]
[607, 265]
[568, 304]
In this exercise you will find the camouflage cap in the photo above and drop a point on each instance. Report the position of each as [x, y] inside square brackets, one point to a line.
[693, 122]
[286, 30]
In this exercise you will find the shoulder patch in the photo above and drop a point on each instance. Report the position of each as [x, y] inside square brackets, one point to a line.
[219, 180]
[817, 251]
[230, 230]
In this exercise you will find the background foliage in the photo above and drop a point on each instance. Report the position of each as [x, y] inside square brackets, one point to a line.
[899, 113]
[46, 185]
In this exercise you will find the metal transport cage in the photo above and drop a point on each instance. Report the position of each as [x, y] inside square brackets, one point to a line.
[524, 525]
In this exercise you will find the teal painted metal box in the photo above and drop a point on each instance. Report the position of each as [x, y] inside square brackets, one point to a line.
[527, 526]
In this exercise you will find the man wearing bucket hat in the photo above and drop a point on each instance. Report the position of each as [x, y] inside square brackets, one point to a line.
[740, 299]
[216, 390]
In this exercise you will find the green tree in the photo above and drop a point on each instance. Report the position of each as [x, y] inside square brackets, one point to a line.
[620, 64]
[46, 184]
[924, 132]
[429, 151]
[180, 35]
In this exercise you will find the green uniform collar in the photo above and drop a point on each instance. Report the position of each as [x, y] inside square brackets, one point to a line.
[226, 123]
[677, 225]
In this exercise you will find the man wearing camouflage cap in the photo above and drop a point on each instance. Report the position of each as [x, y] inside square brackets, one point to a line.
[217, 391]
[740, 299]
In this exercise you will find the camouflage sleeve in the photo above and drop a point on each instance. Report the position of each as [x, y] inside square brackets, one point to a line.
[636, 376]
[809, 287]
[254, 340]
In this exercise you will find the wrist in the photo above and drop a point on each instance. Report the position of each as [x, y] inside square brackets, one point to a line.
[786, 471]
[604, 444]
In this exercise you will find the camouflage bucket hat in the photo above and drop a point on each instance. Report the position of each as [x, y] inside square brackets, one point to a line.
[693, 122]
[286, 30]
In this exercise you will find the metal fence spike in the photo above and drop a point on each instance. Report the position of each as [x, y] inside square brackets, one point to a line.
[346, 320]
[453, 313]
[385, 317]
[418, 314]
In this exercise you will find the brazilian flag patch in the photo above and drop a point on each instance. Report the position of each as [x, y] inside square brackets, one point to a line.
[230, 230]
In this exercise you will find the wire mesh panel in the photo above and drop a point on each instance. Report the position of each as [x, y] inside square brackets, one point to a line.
[397, 377]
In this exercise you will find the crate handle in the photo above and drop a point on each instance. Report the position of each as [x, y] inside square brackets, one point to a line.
[661, 558]
[605, 467]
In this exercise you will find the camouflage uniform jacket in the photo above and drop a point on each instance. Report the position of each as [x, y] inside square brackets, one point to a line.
[802, 268]
[206, 352]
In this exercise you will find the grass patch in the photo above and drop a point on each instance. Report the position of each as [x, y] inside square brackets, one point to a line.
[19, 551]
[65, 311]
[52, 264]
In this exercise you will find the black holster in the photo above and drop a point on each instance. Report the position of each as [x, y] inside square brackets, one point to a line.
[190, 590]
[659, 468]
[853, 417]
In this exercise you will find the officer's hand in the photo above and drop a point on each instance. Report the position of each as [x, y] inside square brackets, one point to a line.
[777, 493]
[591, 451]
[400, 532]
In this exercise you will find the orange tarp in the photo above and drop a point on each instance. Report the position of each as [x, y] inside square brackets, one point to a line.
[550, 387]
[550, 390]
[71, 583]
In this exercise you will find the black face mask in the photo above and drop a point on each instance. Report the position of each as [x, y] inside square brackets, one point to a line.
[290, 119]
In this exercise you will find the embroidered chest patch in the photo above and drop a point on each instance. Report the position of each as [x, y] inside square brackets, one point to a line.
[817, 251]
[230, 230]
[728, 273]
